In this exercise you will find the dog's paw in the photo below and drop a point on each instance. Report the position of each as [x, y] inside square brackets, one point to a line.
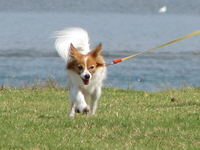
[71, 115]
[84, 110]
[91, 113]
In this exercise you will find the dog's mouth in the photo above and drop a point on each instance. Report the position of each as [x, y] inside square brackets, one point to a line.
[86, 81]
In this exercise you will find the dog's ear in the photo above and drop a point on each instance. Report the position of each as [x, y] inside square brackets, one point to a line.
[73, 51]
[97, 50]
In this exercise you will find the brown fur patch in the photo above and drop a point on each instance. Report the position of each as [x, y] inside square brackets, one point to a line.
[93, 60]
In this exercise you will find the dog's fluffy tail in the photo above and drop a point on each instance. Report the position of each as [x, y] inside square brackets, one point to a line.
[77, 36]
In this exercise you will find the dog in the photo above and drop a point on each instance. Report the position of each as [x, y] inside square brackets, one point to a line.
[86, 69]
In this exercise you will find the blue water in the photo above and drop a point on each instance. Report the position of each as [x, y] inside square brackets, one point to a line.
[27, 48]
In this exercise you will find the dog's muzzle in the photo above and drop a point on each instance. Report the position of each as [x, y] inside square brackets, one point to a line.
[86, 79]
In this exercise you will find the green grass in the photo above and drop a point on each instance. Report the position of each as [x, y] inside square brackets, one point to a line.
[125, 119]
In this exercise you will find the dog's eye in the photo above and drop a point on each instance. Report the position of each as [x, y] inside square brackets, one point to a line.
[92, 67]
[80, 67]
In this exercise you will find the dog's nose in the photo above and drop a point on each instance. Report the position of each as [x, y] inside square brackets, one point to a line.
[87, 76]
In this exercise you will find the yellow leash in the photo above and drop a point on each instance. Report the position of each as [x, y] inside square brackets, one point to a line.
[176, 40]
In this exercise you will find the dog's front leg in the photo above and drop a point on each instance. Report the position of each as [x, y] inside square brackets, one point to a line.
[77, 98]
[94, 101]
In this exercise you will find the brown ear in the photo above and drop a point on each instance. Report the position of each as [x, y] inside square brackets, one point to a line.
[73, 51]
[97, 50]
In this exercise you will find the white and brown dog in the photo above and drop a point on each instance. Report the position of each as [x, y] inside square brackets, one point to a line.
[85, 68]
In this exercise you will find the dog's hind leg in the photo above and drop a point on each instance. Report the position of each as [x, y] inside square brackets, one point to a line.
[94, 101]
[72, 110]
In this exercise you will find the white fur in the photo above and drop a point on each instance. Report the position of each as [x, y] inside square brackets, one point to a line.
[78, 91]
[77, 36]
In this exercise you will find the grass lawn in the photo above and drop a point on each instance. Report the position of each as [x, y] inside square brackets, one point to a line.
[125, 119]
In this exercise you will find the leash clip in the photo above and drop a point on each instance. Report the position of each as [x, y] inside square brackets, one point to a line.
[106, 65]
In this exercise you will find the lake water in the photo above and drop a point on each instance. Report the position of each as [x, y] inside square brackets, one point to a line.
[27, 48]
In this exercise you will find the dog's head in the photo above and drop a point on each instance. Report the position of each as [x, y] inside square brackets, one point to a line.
[85, 65]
